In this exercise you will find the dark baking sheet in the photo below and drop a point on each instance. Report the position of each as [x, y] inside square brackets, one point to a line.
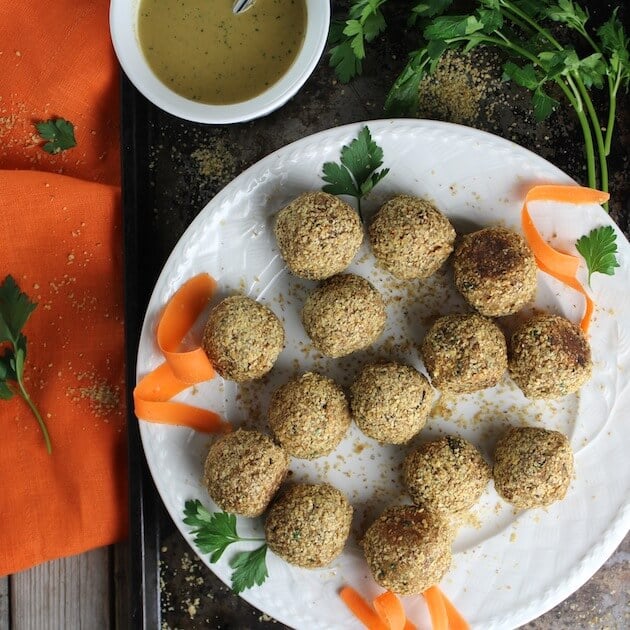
[172, 168]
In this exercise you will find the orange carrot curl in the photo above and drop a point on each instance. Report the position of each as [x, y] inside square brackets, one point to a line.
[561, 266]
[152, 394]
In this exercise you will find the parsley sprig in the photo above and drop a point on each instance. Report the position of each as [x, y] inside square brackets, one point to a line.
[535, 60]
[60, 135]
[15, 309]
[365, 22]
[599, 250]
[356, 174]
[215, 532]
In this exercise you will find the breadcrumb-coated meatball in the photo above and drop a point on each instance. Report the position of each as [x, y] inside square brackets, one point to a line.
[464, 353]
[343, 315]
[495, 270]
[309, 415]
[447, 475]
[549, 357]
[410, 237]
[390, 402]
[318, 235]
[243, 471]
[408, 549]
[532, 466]
[242, 338]
[308, 524]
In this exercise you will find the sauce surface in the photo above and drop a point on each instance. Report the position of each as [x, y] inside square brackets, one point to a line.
[202, 51]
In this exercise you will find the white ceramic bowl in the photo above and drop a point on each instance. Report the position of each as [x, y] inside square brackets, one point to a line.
[123, 26]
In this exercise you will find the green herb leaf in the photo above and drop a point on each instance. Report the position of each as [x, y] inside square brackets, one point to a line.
[543, 104]
[344, 61]
[403, 96]
[430, 8]
[599, 249]
[250, 568]
[214, 532]
[525, 77]
[7, 373]
[449, 26]
[365, 22]
[592, 70]
[616, 45]
[59, 133]
[339, 180]
[15, 309]
[569, 13]
[492, 19]
[356, 175]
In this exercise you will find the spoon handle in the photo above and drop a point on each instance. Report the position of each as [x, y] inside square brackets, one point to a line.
[241, 5]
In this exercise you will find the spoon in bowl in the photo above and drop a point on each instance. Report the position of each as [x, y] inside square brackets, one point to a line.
[240, 6]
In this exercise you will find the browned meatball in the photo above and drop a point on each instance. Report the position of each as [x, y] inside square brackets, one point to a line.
[532, 466]
[318, 235]
[309, 415]
[343, 315]
[495, 270]
[410, 237]
[408, 549]
[464, 353]
[242, 338]
[390, 402]
[243, 471]
[308, 524]
[549, 357]
[447, 475]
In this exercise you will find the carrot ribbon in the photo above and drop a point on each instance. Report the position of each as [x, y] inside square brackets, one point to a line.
[561, 266]
[388, 612]
[181, 369]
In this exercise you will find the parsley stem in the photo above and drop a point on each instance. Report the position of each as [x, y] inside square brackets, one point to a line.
[599, 138]
[533, 23]
[42, 424]
[612, 96]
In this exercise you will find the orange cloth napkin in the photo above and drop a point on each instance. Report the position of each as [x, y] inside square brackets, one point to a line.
[62, 243]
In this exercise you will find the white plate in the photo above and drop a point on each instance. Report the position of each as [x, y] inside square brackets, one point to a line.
[508, 567]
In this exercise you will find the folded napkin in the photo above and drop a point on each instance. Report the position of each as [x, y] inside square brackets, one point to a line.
[61, 224]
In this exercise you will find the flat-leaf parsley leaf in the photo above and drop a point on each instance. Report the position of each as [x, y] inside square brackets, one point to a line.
[599, 249]
[60, 134]
[357, 174]
[214, 532]
[15, 309]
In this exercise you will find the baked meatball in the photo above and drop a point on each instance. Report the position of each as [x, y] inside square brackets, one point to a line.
[308, 524]
[318, 235]
[243, 471]
[410, 237]
[343, 315]
[549, 357]
[532, 467]
[447, 475]
[242, 338]
[309, 415]
[390, 402]
[408, 549]
[464, 353]
[495, 271]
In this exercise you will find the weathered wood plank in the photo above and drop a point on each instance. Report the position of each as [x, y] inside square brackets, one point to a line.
[120, 564]
[4, 603]
[68, 593]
